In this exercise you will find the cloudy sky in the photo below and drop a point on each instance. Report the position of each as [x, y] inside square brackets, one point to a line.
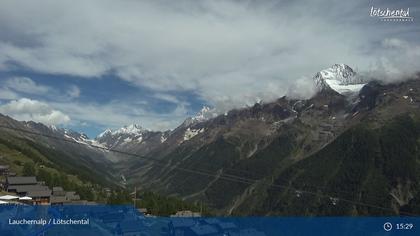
[88, 65]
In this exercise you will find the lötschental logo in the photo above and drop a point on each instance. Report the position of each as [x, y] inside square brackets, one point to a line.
[387, 14]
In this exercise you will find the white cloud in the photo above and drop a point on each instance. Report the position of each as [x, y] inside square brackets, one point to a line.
[73, 91]
[302, 88]
[26, 85]
[17, 87]
[26, 109]
[6, 94]
[228, 52]
[398, 60]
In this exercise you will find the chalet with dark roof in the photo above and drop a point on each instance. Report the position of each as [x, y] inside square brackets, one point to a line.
[20, 180]
[59, 191]
[28, 186]
[41, 197]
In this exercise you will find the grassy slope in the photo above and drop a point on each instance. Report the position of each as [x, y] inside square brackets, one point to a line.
[50, 166]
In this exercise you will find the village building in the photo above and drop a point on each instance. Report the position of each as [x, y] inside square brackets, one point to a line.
[61, 197]
[186, 214]
[72, 196]
[29, 187]
[58, 191]
[4, 170]
[41, 197]
[12, 182]
[58, 196]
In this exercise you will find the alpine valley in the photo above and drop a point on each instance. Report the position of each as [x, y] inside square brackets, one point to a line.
[357, 140]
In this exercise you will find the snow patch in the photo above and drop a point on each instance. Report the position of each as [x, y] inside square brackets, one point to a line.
[97, 144]
[163, 138]
[53, 128]
[190, 133]
[107, 131]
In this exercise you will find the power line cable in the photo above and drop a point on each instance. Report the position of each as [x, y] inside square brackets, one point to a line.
[232, 178]
[164, 162]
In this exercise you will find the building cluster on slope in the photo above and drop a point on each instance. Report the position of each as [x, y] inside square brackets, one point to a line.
[27, 190]
[186, 214]
[38, 192]
[120, 220]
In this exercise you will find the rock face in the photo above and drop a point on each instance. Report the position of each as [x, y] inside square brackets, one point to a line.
[369, 94]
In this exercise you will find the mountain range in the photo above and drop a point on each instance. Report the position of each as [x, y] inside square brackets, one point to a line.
[357, 140]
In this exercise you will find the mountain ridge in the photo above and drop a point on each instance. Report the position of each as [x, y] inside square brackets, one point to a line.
[277, 143]
[250, 138]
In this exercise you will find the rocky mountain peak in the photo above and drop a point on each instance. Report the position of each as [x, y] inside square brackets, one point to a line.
[133, 129]
[130, 129]
[340, 78]
[204, 114]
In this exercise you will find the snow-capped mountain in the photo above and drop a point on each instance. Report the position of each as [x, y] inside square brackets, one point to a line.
[204, 114]
[132, 138]
[52, 130]
[74, 135]
[340, 78]
[68, 134]
[127, 134]
[133, 129]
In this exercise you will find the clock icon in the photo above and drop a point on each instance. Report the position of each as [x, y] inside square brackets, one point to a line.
[387, 226]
